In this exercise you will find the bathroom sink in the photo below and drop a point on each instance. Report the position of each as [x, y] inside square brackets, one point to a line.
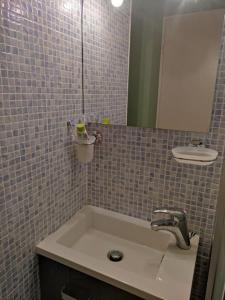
[151, 266]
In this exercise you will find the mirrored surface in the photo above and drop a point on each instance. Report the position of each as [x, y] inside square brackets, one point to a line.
[156, 65]
[174, 51]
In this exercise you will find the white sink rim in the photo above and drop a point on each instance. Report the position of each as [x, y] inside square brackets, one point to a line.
[171, 282]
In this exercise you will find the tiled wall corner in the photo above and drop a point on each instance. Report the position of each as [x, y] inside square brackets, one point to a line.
[133, 172]
[41, 182]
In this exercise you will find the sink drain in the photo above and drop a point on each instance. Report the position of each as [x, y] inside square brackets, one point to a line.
[115, 255]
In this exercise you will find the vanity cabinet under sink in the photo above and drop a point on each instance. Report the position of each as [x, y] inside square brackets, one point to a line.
[59, 282]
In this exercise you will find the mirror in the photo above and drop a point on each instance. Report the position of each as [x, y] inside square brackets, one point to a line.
[166, 52]
[174, 54]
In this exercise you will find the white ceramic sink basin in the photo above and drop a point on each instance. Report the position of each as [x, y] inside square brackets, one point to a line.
[152, 267]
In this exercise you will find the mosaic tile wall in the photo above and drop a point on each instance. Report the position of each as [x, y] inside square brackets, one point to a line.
[106, 54]
[133, 172]
[41, 182]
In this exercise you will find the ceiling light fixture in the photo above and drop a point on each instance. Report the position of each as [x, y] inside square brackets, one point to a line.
[117, 3]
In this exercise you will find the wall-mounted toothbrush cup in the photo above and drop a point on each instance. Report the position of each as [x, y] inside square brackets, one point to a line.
[84, 142]
[85, 149]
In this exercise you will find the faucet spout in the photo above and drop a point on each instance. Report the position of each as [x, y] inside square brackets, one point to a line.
[176, 224]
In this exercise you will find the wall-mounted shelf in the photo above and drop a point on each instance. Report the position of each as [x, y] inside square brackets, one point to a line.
[195, 155]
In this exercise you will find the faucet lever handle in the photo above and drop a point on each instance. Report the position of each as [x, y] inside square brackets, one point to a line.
[177, 213]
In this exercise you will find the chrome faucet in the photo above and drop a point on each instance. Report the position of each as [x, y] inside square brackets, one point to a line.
[176, 224]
